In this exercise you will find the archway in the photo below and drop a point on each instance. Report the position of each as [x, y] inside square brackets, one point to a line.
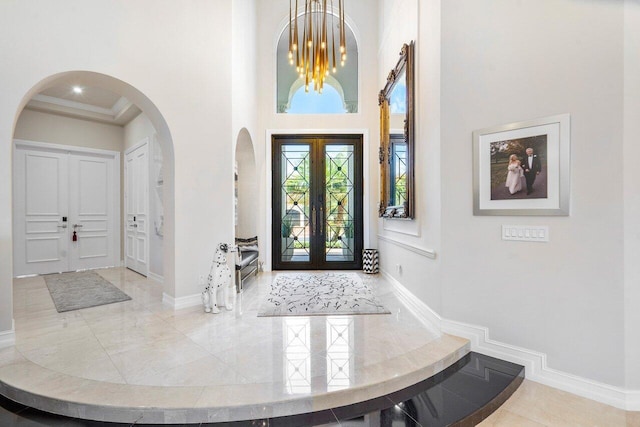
[345, 80]
[162, 136]
[246, 186]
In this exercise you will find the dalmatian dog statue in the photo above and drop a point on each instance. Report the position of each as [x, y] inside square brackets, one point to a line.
[219, 277]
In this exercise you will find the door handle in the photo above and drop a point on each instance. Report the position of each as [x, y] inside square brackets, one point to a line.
[312, 221]
[321, 220]
[77, 225]
[62, 226]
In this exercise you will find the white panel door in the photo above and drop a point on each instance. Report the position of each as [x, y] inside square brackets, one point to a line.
[57, 186]
[136, 195]
[40, 208]
[92, 212]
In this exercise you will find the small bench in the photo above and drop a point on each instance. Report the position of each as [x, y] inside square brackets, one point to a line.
[246, 261]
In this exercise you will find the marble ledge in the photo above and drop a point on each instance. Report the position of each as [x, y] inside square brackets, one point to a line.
[28, 383]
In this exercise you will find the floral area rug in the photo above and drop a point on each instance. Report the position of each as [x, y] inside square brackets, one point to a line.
[312, 294]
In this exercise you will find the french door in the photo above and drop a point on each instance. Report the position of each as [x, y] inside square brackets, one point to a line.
[66, 206]
[317, 202]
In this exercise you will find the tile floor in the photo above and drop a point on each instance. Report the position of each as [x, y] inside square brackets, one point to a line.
[231, 359]
[537, 405]
[143, 342]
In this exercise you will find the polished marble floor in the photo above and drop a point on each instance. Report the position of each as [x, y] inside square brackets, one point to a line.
[465, 393]
[232, 365]
[146, 345]
[536, 405]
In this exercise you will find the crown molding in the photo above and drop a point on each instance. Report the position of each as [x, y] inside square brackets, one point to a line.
[122, 112]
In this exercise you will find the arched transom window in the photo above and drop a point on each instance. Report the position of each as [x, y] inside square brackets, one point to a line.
[340, 93]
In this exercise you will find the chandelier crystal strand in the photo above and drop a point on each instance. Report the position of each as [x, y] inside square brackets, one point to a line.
[315, 62]
[343, 36]
[333, 37]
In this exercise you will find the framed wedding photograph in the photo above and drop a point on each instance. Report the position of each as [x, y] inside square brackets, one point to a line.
[523, 168]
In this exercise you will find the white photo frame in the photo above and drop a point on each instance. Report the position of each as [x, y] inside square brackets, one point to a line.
[492, 147]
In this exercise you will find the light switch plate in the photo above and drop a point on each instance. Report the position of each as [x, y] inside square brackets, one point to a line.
[526, 233]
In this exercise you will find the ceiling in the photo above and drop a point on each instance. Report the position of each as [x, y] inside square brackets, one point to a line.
[94, 103]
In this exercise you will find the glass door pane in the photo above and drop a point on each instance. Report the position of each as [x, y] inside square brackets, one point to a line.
[339, 202]
[317, 202]
[295, 206]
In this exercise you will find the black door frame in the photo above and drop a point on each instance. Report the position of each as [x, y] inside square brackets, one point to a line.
[317, 143]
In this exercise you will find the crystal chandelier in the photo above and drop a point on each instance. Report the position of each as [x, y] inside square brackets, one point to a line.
[316, 56]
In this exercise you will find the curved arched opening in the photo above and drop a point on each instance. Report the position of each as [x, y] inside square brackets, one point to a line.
[164, 226]
[345, 80]
[246, 221]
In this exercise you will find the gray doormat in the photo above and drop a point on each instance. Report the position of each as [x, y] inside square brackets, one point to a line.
[82, 289]
[312, 294]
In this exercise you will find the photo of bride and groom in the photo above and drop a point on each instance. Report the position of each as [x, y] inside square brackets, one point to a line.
[518, 168]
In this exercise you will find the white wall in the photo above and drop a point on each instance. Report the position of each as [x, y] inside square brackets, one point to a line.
[631, 152]
[401, 22]
[245, 116]
[506, 61]
[187, 45]
[134, 132]
[273, 18]
[494, 62]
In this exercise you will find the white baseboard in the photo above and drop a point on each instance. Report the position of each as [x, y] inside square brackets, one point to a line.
[422, 311]
[535, 363]
[181, 302]
[156, 277]
[633, 400]
[8, 338]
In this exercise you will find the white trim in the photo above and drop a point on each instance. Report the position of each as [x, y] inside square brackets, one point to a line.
[366, 208]
[24, 143]
[73, 104]
[633, 400]
[137, 145]
[158, 278]
[8, 338]
[181, 302]
[428, 253]
[120, 106]
[418, 308]
[538, 370]
[119, 196]
[535, 362]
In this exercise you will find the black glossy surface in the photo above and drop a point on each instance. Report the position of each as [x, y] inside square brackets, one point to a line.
[463, 394]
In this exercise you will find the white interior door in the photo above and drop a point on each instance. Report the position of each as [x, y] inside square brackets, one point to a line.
[55, 187]
[91, 212]
[40, 209]
[136, 196]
